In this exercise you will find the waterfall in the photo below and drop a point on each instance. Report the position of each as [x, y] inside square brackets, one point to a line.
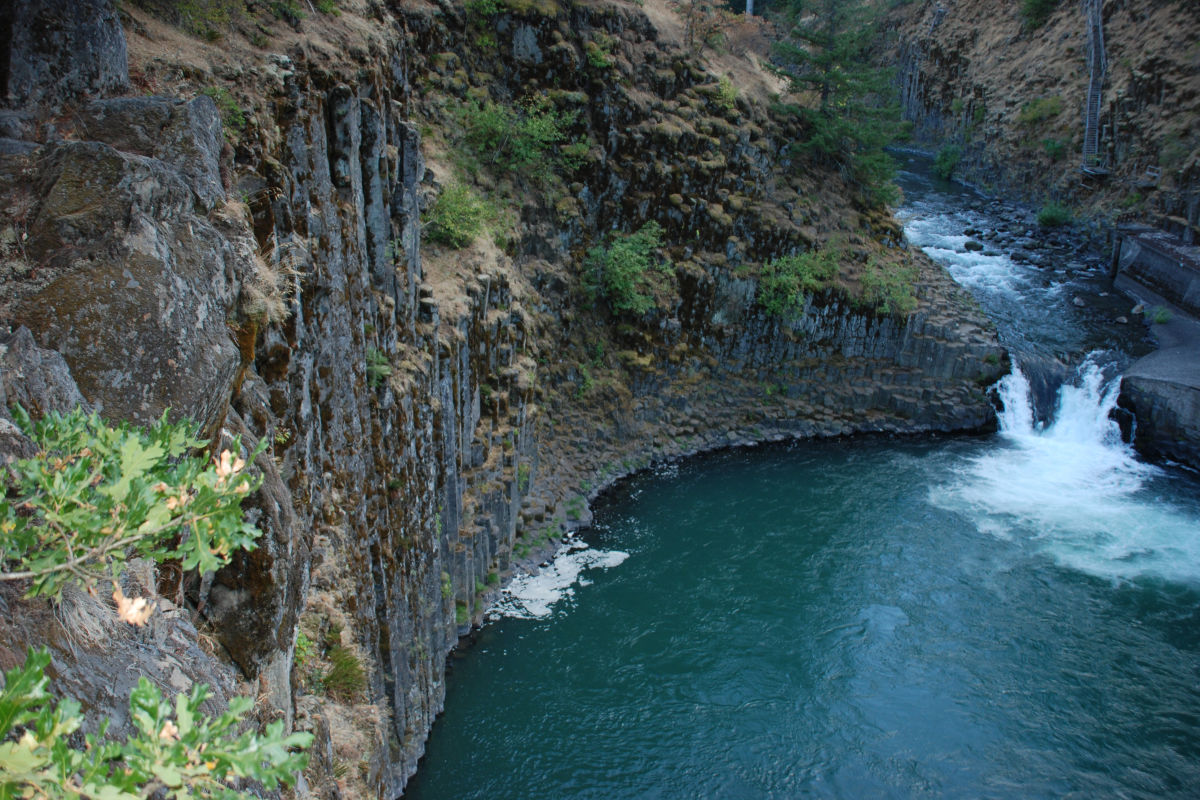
[1071, 488]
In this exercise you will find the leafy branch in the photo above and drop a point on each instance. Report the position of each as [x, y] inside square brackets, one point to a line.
[95, 495]
[178, 750]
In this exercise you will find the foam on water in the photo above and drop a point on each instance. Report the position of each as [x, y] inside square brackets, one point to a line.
[534, 596]
[1073, 489]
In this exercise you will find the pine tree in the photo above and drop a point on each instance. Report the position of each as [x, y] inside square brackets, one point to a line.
[849, 112]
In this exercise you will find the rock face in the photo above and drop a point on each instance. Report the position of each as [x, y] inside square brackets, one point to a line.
[59, 49]
[433, 416]
[975, 74]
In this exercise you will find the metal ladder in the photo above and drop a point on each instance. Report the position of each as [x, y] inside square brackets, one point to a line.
[1097, 66]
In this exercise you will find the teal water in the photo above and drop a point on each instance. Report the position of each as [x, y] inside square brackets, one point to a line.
[831, 619]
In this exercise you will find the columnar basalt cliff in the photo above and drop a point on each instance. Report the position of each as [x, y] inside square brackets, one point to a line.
[434, 417]
[979, 76]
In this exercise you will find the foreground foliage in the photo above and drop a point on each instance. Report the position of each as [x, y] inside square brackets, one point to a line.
[179, 750]
[96, 495]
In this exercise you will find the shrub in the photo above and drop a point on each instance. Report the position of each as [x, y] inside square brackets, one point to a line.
[458, 216]
[727, 93]
[96, 495]
[515, 137]
[1055, 148]
[207, 18]
[622, 271]
[1036, 12]
[947, 161]
[785, 281]
[1053, 215]
[180, 751]
[1040, 109]
[599, 50]
[889, 287]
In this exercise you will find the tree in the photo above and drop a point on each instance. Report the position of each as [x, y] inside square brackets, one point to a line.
[848, 111]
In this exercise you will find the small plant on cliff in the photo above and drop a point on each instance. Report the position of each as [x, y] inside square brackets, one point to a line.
[889, 287]
[626, 271]
[346, 678]
[600, 49]
[209, 18]
[378, 366]
[784, 282]
[1055, 148]
[520, 137]
[96, 495]
[1053, 215]
[727, 93]
[458, 217]
[1040, 109]
[177, 750]
[947, 161]
[232, 117]
[1036, 12]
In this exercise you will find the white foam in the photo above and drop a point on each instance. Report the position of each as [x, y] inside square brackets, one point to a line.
[533, 596]
[1074, 490]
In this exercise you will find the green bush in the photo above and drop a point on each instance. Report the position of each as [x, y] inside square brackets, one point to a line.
[784, 282]
[727, 93]
[208, 18]
[458, 216]
[96, 495]
[1040, 109]
[1036, 12]
[624, 271]
[177, 750]
[890, 287]
[947, 161]
[1053, 215]
[1055, 148]
[515, 137]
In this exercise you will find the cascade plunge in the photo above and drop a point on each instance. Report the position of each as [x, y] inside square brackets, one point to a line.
[1074, 487]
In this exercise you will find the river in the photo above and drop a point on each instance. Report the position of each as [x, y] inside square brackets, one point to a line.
[1011, 616]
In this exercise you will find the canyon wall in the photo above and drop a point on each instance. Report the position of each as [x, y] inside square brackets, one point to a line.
[1011, 96]
[435, 418]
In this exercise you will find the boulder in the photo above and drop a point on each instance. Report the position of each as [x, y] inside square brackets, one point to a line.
[131, 286]
[59, 50]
